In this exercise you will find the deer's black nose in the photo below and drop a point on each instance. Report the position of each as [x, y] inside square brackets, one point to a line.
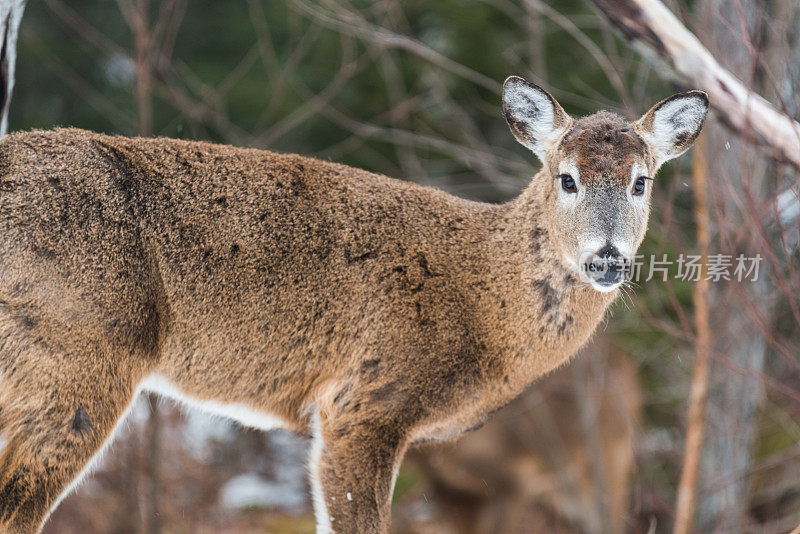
[609, 252]
[607, 267]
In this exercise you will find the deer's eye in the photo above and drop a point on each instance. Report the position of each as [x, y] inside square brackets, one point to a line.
[567, 183]
[638, 186]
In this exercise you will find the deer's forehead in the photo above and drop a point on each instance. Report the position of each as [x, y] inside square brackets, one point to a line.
[604, 151]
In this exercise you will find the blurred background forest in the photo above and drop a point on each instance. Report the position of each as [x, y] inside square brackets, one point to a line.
[411, 89]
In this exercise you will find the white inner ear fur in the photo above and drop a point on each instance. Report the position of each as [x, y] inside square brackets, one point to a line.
[534, 110]
[681, 117]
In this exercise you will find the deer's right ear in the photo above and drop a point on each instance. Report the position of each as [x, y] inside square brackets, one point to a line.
[672, 125]
[534, 116]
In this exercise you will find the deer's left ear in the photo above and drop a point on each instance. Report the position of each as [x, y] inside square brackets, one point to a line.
[672, 125]
[534, 116]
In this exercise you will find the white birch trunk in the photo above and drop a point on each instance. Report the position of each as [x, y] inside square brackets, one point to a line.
[10, 17]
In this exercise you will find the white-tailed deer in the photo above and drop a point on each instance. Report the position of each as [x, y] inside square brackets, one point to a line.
[283, 290]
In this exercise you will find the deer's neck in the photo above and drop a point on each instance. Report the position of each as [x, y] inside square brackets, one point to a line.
[545, 313]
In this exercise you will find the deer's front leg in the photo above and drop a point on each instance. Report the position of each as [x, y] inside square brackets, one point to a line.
[353, 470]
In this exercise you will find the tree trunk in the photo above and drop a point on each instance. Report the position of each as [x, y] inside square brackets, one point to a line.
[10, 17]
[734, 398]
[698, 396]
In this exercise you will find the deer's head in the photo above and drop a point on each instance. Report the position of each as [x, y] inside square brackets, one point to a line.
[599, 172]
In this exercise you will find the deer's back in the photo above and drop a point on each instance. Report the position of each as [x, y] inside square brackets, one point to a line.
[233, 260]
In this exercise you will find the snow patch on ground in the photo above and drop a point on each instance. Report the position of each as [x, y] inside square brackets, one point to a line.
[252, 490]
[202, 431]
[284, 485]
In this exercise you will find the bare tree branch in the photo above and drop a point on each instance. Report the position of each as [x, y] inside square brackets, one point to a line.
[86, 31]
[350, 23]
[649, 24]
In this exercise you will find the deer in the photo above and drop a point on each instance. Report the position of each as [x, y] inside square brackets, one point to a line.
[279, 290]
